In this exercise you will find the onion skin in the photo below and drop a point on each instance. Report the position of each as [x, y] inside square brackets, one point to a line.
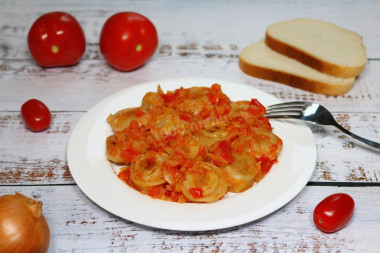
[23, 228]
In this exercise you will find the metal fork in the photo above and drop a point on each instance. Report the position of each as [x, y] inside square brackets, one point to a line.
[311, 112]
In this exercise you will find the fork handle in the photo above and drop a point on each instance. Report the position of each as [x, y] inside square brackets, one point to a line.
[358, 138]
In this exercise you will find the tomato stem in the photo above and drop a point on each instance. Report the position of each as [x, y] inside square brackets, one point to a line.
[54, 49]
[138, 48]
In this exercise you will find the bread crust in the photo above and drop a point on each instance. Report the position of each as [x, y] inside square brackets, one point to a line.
[294, 80]
[311, 61]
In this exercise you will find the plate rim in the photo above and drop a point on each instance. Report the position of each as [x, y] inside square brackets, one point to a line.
[233, 221]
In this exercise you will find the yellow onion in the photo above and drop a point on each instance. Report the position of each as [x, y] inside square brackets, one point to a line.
[23, 228]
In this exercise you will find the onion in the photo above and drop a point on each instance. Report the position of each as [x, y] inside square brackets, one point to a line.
[23, 228]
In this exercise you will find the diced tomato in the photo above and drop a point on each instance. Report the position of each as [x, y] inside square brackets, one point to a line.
[254, 111]
[204, 114]
[202, 151]
[223, 108]
[130, 153]
[218, 99]
[135, 130]
[233, 138]
[256, 103]
[176, 97]
[238, 119]
[256, 107]
[168, 97]
[174, 196]
[172, 137]
[188, 164]
[156, 192]
[215, 94]
[156, 148]
[197, 193]
[224, 150]
[263, 122]
[266, 164]
[214, 98]
[124, 175]
[216, 87]
[139, 113]
[185, 117]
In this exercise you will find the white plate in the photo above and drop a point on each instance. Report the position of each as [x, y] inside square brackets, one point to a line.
[95, 175]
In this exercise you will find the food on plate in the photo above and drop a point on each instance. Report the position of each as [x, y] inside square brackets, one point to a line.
[128, 40]
[23, 227]
[56, 39]
[192, 145]
[36, 115]
[334, 212]
[260, 61]
[321, 45]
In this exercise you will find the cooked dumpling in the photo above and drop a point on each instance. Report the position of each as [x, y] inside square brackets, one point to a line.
[146, 171]
[114, 149]
[242, 173]
[204, 183]
[121, 120]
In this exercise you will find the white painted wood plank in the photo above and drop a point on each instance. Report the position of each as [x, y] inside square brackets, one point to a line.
[79, 225]
[80, 87]
[40, 158]
[240, 23]
[197, 39]
[28, 157]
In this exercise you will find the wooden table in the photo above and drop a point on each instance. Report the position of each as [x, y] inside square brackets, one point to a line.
[197, 39]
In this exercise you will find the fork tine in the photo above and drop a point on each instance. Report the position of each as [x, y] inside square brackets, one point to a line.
[276, 115]
[286, 107]
[297, 104]
[286, 110]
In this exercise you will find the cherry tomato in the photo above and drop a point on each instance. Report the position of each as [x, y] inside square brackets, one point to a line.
[36, 115]
[128, 40]
[56, 39]
[334, 212]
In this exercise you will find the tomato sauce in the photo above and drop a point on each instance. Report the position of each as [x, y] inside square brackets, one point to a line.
[202, 126]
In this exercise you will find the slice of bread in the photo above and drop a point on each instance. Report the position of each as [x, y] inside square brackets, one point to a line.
[260, 61]
[320, 45]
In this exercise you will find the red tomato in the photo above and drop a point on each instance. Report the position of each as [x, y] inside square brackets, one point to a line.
[35, 115]
[196, 192]
[124, 175]
[224, 150]
[128, 40]
[334, 212]
[56, 39]
[266, 164]
[156, 192]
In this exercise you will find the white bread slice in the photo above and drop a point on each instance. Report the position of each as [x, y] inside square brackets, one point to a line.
[320, 45]
[260, 61]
